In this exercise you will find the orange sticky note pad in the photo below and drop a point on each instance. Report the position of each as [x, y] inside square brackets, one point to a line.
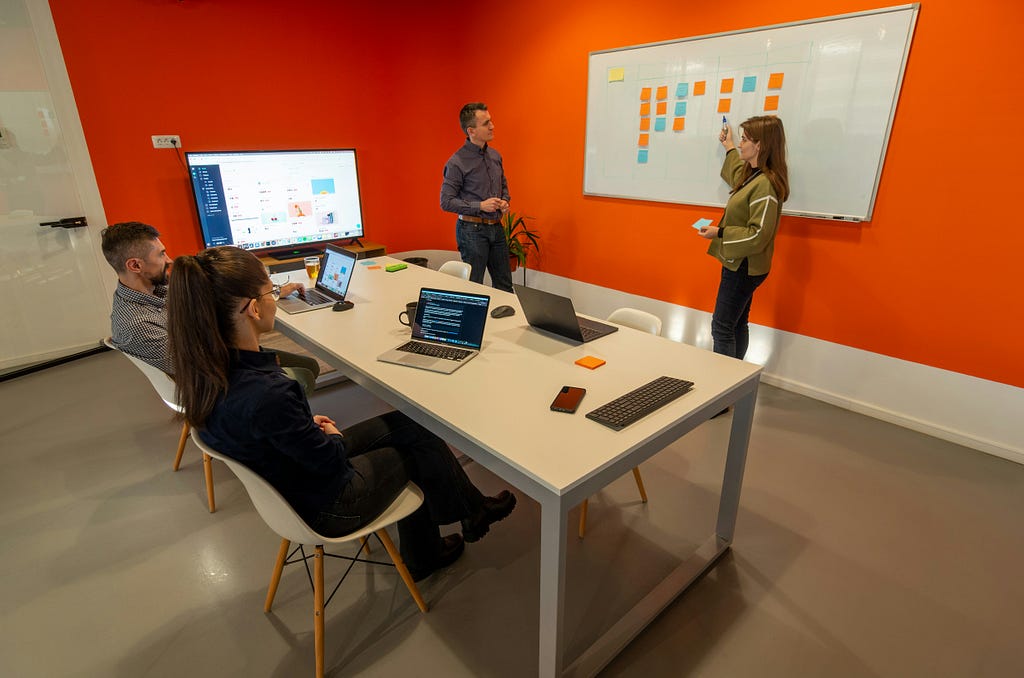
[643, 140]
[373, 268]
[590, 362]
[645, 93]
[698, 87]
[663, 91]
[662, 107]
[678, 124]
[645, 124]
[724, 105]
[771, 103]
[775, 81]
[645, 109]
[726, 85]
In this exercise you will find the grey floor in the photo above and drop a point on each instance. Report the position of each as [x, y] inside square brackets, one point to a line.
[862, 549]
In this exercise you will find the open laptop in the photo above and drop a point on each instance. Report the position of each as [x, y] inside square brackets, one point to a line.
[555, 313]
[336, 268]
[446, 333]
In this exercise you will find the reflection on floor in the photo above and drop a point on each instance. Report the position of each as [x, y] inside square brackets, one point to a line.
[862, 549]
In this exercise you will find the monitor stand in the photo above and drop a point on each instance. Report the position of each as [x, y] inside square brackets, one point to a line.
[294, 253]
[355, 241]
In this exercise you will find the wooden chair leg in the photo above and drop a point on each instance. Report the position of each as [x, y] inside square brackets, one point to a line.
[583, 518]
[639, 484]
[389, 546]
[318, 609]
[181, 444]
[208, 470]
[275, 577]
[366, 545]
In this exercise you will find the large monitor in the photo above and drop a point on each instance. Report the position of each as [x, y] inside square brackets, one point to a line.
[285, 203]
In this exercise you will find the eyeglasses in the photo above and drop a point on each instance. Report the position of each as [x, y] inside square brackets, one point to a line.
[275, 293]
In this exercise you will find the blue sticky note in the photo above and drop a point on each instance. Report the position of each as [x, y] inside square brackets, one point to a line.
[749, 83]
[682, 89]
[659, 124]
[701, 223]
[680, 108]
[367, 262]
[641, 156]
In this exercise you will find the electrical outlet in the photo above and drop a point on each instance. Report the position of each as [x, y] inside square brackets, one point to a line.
[166, 141]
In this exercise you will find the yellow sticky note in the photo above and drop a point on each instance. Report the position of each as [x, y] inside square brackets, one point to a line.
[724, 105]
[698, 87]
[662, 107]
[616, 74]
[644, 138]
[645, 109]
[775, 81]
[726, 85]
[663, 92]
[645, 124]
[771, 103]
[678, 124]
[645, 94]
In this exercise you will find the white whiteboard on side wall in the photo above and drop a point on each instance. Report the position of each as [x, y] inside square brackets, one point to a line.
[834, 82]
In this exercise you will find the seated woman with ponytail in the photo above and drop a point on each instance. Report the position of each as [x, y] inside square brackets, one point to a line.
[219, 303]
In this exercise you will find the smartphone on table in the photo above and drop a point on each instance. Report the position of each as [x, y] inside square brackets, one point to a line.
[568, 399]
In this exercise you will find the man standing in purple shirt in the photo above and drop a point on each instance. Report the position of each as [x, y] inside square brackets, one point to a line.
[475, 188]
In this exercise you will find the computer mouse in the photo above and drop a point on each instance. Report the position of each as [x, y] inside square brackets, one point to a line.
[341, 306]
[502, 312]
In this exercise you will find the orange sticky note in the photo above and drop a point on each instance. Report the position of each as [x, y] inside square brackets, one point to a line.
[698, 87]
[771, 103]
[645, 93]
[663, 91]
[662, 107]
[643, 139]
[724, 105]
[645, 109]
[373, 268]
[726, 85]
[678, 124]
[645, 124]
[775, 81]
[590, 362]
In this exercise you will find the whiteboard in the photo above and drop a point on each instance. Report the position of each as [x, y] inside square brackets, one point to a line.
[834, 82]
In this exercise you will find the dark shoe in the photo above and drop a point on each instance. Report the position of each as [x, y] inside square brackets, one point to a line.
[493, 510]
[452, 547]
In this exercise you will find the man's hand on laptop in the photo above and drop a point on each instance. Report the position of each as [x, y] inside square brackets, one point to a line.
[287, 290]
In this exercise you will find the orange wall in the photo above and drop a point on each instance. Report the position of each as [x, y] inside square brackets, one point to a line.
[929, 279]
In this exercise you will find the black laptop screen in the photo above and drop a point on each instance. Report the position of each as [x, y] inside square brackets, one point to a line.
[454, 318]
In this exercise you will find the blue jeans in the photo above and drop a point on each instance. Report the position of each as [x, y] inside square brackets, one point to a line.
[729, 327]
[483, 246]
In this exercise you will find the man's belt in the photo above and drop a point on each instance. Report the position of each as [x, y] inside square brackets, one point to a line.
[478, 220]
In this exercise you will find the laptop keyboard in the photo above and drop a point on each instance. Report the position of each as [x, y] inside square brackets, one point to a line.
[589, 332]
[638, 403]
[435, 351]
[312, 297]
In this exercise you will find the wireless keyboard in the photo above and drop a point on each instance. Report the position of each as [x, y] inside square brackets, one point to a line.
[638, 403]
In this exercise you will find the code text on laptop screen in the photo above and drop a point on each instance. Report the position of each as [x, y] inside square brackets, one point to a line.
[451, 317]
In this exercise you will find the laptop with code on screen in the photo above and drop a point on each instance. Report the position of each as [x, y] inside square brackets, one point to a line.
[446, 334]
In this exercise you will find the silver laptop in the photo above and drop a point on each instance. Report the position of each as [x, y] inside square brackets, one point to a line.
[555, 313]
[336, 267]
[446, 333]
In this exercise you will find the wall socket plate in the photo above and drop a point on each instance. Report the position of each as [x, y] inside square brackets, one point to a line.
[166, 141]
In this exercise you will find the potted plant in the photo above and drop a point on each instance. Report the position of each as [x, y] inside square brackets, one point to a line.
[519, 238]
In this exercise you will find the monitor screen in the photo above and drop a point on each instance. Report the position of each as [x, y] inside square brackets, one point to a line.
[276, 200]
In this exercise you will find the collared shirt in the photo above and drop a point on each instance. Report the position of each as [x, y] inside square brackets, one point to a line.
[264, 421]
[472, 175]
[138, 325]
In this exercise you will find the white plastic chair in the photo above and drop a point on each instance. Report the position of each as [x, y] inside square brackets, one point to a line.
[459, 269]
[164, 387]
[282, 519]
[645, 322]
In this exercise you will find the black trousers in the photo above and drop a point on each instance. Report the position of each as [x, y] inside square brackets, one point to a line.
[387, 452]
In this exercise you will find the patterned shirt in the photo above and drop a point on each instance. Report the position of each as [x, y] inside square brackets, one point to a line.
[138, 325]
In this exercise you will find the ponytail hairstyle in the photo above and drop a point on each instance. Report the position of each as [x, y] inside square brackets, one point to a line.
[771, 158]
[204, 298]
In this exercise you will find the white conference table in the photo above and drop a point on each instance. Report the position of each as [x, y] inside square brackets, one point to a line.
[495, 409]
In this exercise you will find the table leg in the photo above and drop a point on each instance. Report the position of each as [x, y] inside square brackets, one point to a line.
[553, 532]
[735, 462]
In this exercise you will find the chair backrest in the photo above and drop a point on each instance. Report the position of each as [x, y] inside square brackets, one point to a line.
[459, 269]
[637, 319]
[272, 507]
[163, 384]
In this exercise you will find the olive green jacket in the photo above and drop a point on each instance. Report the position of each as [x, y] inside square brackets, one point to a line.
[749, 223]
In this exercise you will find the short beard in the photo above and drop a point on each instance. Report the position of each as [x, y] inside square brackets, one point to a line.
[162, 278]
